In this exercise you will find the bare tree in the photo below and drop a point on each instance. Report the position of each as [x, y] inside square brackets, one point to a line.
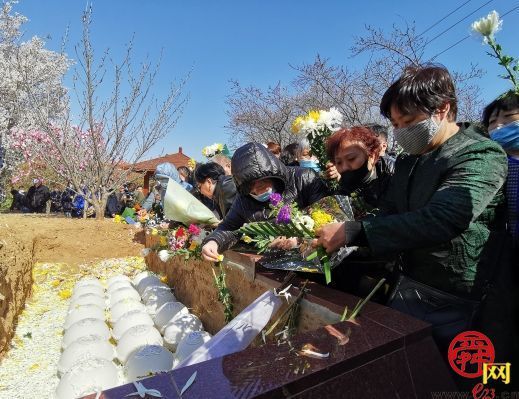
[255, 113]
[97, 151]
[261, 116]
[391, 53]
[322, 86]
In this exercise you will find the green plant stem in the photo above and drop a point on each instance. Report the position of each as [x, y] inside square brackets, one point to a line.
[326, 264]
[224, 296]
[360, 304]
[499, 56]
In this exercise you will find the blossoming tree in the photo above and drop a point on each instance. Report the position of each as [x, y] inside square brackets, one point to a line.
[96, 150]
[25, 65]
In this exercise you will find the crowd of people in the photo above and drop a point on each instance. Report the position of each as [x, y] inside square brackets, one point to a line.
[442, 216]
[40, 199]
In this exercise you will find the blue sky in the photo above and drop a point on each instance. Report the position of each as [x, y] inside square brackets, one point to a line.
[255, 41]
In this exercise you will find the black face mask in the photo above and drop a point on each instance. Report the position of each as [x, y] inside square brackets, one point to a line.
[352, 179]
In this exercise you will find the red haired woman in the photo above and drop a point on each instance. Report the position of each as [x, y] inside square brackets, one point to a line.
[356, 163]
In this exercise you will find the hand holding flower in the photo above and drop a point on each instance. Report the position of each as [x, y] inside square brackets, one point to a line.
[331, 172]
[210, 252]
[331, 236]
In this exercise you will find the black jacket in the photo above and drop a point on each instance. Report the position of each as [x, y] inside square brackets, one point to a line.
[67, 196]
[374, 187]
[37, 198]
[113, 206]
[251, 162]
[224, 194]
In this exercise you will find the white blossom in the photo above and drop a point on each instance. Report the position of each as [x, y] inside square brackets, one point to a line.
[145, 252]
[488, 26]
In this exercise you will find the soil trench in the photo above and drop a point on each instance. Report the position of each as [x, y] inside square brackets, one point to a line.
[26, 239]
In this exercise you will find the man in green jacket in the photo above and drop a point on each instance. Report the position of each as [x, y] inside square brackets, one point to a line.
[443, 210]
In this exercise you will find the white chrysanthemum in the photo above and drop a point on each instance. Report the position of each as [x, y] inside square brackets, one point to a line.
[307, 221]
[308, 126]
[164, 255]
[489, 25]
[331, 119]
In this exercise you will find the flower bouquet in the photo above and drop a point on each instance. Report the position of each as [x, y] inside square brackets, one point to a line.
[289, 221]
[317, 126]
[181, 241]
[214, 149]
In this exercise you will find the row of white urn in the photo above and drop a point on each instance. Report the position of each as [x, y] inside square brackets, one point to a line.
[152, 330]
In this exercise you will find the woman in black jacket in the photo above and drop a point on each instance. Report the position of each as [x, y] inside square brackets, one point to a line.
[215, 185]
[257, 173]
[356, 162]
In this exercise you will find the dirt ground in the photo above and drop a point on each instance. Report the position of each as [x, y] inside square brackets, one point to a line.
[26, 239]
[72, 241]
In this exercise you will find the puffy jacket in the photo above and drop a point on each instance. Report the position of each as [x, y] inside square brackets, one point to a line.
[251, 162]
[224, 194]
[37, 198]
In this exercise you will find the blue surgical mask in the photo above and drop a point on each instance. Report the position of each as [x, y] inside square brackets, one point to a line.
[262, 197]
[308, 163]
[507, 136]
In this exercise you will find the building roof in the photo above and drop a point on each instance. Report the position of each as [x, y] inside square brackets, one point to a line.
[177, 159]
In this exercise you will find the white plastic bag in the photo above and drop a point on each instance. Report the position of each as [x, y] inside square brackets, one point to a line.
[181, 206]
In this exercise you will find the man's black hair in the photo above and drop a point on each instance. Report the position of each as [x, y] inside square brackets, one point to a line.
[421, 88]
[208, 170]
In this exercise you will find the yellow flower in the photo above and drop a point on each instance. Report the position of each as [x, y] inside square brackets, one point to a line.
[220, 258]
[219, 146]
[321, 218]
[65, 294]
[55, 283]
[163, 240]
[193, 246]
[164, 279]
[246, 239]
[315, 115]
[296, 125]
[191, 163]
[154, 232]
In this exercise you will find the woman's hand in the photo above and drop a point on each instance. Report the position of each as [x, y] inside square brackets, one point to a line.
[331, 172]
[210, 251]
[284, 243]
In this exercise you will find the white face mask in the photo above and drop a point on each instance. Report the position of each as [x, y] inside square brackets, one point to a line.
[416, 138]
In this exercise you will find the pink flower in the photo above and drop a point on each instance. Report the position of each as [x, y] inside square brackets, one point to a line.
[194, 230]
